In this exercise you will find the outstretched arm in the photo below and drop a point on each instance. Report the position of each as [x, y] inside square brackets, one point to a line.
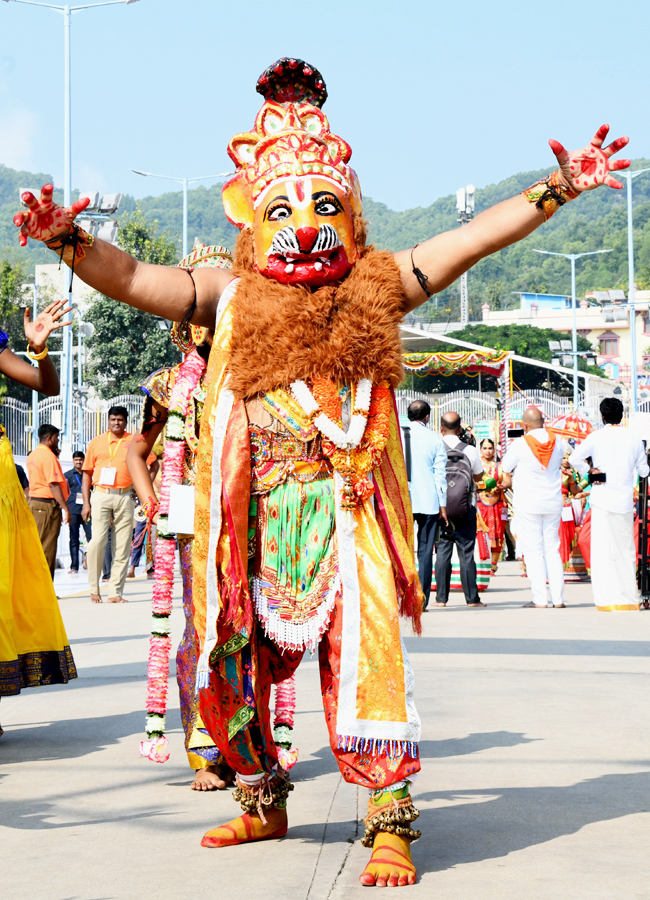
[444, 258]
[45, 378]
[161, 290]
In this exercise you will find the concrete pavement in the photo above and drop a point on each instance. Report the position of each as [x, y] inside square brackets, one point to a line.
[535, 780]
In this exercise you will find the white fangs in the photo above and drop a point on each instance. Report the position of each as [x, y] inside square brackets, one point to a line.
[289, 268]
[318, 266]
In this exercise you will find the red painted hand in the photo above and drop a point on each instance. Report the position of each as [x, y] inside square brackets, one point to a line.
[588, 168]
[44, 219]
[38, 331]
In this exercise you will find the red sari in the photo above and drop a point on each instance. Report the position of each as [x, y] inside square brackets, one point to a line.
[494, 512]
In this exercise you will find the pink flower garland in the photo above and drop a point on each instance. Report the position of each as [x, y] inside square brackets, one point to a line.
[188, 377]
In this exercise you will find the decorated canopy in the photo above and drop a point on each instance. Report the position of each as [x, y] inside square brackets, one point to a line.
[571, 427]
[464, 362]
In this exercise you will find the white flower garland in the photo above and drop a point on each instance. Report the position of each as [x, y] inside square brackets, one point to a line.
[344, 440]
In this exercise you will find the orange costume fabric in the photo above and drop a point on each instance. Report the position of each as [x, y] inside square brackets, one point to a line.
[366, 676]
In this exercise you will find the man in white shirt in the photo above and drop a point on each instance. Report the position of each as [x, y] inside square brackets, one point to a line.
[426, 466]
[534, 461]
[618, 454]
[464, 526]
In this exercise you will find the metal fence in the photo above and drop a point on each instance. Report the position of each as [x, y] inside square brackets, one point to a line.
[92, 419]
[88, 420]
[473, 406]
[16, 417]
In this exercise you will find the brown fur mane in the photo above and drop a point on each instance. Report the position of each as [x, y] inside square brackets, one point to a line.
[344, 331]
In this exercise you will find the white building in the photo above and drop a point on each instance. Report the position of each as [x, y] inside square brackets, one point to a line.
[606, 325]
[53, 281]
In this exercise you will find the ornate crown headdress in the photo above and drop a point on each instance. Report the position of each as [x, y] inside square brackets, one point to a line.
[291, 138]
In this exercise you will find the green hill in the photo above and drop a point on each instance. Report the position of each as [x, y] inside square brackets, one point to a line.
[595, 221]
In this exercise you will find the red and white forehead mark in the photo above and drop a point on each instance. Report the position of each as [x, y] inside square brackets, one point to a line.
[289, 181]
[299, 193]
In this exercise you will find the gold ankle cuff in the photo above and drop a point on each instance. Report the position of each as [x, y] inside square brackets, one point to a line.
[269, 793]
[394, 817]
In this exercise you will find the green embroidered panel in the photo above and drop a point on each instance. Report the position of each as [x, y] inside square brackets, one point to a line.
[233, 645]
[240, 720]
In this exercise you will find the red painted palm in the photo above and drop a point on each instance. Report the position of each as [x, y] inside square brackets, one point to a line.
[571, 427]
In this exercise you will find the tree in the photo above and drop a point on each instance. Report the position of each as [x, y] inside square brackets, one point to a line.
[128, 344]
[494, 292]
[11, 321]
[524, 340]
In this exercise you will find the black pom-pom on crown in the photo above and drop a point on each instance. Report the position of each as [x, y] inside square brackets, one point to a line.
[290, 80]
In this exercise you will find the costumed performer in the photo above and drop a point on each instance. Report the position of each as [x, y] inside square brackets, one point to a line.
[300, 439]
[34, 648]
[492, 503]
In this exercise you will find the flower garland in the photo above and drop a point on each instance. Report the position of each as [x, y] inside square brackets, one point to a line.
[356, 452]
[344, 440]
[155, 747]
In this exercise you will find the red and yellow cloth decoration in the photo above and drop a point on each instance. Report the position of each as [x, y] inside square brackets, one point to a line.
[463, 362]
[571, 427]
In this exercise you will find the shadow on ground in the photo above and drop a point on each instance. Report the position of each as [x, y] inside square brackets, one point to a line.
[73, 738]
[503, 821]
[473, 743]
[525, 646]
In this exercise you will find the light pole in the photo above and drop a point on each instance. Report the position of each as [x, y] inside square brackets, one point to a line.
[184, 182]
[66, 353]
[630, 274]
[574, 328]
[465, 206]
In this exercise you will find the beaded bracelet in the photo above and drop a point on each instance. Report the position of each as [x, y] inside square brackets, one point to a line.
[72, 244]
[550, 194]
[150, 507]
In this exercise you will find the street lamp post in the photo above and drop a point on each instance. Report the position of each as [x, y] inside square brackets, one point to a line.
[630, 294]
[184, 182]
[465, 198]
[574, 328]
[66, 352]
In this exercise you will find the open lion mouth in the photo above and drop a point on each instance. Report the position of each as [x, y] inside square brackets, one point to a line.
[308, 268]
[318, 260]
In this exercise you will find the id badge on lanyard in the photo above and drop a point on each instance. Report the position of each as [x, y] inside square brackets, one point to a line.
[108, 474]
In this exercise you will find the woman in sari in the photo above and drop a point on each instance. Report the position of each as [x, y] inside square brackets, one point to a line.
[492, 503]
[34, 647]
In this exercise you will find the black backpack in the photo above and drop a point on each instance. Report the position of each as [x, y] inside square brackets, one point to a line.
[460, 482]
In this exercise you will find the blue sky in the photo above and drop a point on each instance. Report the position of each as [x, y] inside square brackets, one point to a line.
[430, 95]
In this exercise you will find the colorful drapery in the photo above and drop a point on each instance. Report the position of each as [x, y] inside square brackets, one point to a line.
[464, 362]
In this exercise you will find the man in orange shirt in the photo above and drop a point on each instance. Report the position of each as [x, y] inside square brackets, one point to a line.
[48, 491]
[104, 469]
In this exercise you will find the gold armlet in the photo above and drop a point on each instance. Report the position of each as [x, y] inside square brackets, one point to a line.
[37, 357]
[549, 194]
[71, 245]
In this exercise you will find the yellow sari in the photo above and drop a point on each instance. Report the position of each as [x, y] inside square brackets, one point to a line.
[33, 644]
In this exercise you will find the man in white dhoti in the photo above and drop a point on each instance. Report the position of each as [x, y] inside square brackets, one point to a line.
[618, 454]
[532, 465]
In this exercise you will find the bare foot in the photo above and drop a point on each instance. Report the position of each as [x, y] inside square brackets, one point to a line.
[441, 605]
[212, 778]
[117, 600]
[131, 572]
[477, 604]
[96, 598]
[390, 864]
[247, 828]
